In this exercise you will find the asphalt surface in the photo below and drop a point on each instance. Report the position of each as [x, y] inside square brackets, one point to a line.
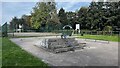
[99, 53]
[36, 34]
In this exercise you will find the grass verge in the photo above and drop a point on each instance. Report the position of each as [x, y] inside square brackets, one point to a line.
[0, 52]
[13, 55]
[101, 37]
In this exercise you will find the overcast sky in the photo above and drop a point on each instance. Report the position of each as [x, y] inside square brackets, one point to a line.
[11, 9]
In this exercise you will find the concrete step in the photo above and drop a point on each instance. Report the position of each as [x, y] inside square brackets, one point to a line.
[60, 50]
[58, 45]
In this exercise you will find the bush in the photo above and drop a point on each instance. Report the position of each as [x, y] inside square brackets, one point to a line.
[108, 28]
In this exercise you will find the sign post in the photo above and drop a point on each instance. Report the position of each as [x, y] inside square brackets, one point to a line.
[78, 28]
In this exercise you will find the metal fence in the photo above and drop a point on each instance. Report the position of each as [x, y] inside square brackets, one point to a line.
[90, 32]
[101, 32]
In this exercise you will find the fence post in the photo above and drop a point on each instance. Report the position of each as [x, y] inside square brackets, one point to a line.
[118, 33]
[4, 30]
[97, 32]
[102, 32]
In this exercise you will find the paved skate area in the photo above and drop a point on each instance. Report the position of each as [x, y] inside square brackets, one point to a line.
[100, 53]
[36, 34]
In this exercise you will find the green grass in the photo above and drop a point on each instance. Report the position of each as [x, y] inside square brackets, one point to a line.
[13, 55]
[101, 37]
[0, 51]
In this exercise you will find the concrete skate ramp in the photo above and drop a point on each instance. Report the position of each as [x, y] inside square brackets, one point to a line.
[58, 45]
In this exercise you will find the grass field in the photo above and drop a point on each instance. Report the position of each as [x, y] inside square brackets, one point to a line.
[101, 37]
[0, 51]
[12, 55]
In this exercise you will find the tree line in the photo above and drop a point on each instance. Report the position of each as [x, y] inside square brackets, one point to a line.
[97, 16]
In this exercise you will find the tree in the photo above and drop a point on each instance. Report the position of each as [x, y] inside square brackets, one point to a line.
[113, 10]
[63, 17]
[43, 14]
[53, 19]
[108, 28]
[27, 19]
[39, 15]
[97, 16]
[14, 23]
[71, 18]
[82, 17]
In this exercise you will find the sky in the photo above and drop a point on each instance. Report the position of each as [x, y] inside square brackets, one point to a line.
[11, 9]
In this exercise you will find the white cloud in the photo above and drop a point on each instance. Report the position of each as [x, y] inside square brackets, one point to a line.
[70, 5]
